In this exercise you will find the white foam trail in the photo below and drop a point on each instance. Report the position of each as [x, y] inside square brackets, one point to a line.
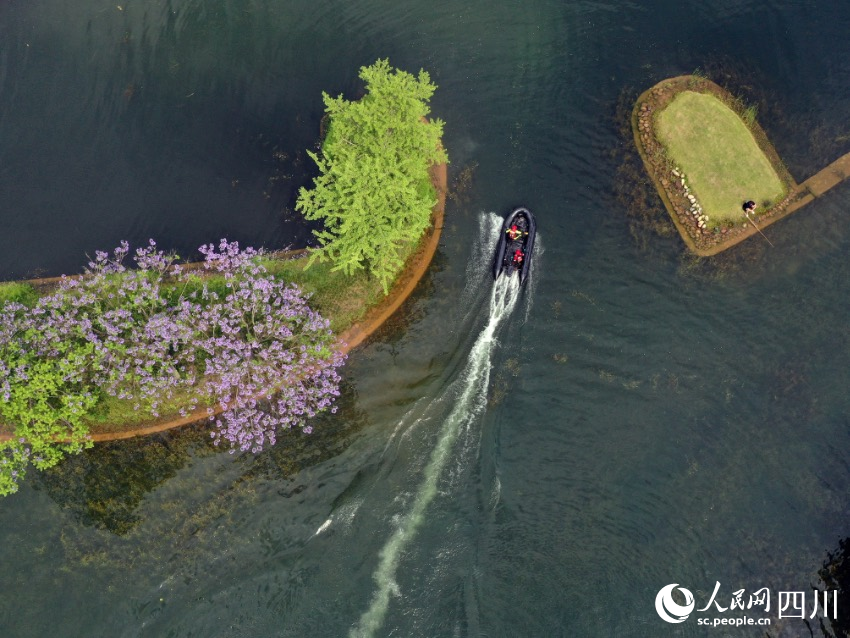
[323, 527]
[489, 226]
[473, 382]
[495, 493]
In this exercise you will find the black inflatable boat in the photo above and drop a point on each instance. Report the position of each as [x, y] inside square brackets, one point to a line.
[513, 253]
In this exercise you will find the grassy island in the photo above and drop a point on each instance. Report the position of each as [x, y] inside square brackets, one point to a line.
[710, 144]
[707, 156]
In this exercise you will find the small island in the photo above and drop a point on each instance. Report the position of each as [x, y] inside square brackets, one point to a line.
[250, 341]
[707, 156]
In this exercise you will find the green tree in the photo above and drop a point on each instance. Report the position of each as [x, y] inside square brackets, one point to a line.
[373, 193]
[46, 403]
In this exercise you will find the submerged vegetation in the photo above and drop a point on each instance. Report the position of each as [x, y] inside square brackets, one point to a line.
[374, 193]
[106, 487]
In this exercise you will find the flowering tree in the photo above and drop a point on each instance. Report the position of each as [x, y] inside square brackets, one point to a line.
[236, 340]
[268, 356]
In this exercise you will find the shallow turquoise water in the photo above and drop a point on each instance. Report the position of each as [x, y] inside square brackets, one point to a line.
[645, 421]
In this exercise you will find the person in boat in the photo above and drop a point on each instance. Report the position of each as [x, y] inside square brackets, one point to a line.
[518, 257]
[514, 233]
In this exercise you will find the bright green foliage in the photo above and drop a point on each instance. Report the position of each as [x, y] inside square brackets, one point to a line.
[47, 402]
[18, 291]
[374, 192]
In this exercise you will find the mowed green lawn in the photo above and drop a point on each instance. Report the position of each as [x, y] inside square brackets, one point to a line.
[723, 164]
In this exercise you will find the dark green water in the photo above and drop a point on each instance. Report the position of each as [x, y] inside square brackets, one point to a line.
[645, 421]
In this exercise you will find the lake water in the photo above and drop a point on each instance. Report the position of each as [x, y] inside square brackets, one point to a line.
[505, 463]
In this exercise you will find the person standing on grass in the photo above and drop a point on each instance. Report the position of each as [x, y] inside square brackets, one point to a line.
[749, 207]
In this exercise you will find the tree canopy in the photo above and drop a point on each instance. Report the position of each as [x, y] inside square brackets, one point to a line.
[373, 193]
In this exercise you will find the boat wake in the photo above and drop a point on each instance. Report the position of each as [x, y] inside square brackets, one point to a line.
[470, 388]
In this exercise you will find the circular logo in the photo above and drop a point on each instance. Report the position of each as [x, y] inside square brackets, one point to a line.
[668, 609]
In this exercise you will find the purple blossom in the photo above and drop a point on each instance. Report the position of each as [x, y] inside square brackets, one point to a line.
[258, 353]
